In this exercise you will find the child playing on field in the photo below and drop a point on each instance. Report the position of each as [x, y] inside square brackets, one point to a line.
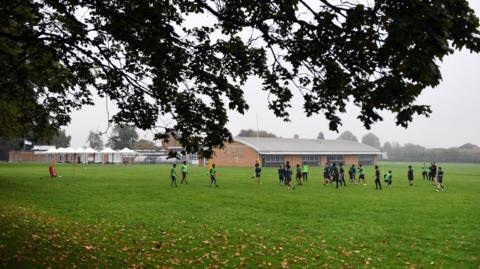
[173, 175]
[410, 175]
[341, 175]
[299, 175]
[440, 180]
[288, 175]
[388, 178]
[281, 175]
[52, 170]
[326, 174]
[361, 176]
[184, 172]
[425, 171]
[258, 173]
[305, 171]
[378, 185]
[213, 176]
[352, 173]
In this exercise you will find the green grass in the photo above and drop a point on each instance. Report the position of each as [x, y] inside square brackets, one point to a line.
[129, 216]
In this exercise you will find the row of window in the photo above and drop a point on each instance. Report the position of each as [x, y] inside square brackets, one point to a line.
[313, 158]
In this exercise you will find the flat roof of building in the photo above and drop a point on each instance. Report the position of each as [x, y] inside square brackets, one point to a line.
[268, 145]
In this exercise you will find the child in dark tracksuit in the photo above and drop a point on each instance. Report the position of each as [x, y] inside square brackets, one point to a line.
[378, 185]
[281, 175]
[410, 175]
[440, 186]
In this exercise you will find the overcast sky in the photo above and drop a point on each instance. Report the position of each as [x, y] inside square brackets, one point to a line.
[455, 104]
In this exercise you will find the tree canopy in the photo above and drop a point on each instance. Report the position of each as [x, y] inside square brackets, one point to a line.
[347, 135]
[320, 135]
[123, 137]
[372, 140]
[153, 63]
[253, 133]
[61, 140]
[95, 140]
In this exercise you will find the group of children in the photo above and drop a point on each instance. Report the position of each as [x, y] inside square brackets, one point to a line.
[331, 173]
[434, 175]
[285, 174]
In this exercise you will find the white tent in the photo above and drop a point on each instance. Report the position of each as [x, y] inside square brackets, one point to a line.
[127, 151]
[113, 156]
[89, 150]
[107, 150]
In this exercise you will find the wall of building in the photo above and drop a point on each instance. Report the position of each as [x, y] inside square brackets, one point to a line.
[351, 159]
[26, 156]
[235, 154]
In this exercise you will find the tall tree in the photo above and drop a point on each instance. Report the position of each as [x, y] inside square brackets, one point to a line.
[372, 140]
[296, 136]
[61, 140]
[347, 135]
[95, 140]
[123, 137]
[320, 135]
[148, 59]
[253, 133]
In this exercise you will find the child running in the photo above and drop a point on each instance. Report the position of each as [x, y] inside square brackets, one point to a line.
[334, 173]
[258, 173]
[213, 176]
[305, 171]
[388, 178]
[299, 175]
[352, 173]
[341, 175]
[184, 172]
[378, 185]
[440, 180]
[326, 174]
[410, 175]
[173, 175]
[361, 176]
[281, 175]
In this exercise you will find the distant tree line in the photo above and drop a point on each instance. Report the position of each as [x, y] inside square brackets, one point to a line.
[416, 153]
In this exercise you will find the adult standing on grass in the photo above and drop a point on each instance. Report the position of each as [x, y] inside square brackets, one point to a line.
[352, 173]
[173, 175]
[378, 185]
[410, 175]
[440, 180]
[184, 172]
[213, 176]
[305, 170]
[258, 173]
[361, 173]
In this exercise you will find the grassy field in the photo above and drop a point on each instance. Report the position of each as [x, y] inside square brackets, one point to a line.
[129, 216]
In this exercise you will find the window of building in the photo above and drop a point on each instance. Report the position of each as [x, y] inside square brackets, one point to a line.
[335, 158]
[311, 158]
[365, 158]
[272, 160]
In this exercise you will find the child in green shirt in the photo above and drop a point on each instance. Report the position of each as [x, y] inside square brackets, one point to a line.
[184, 172]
